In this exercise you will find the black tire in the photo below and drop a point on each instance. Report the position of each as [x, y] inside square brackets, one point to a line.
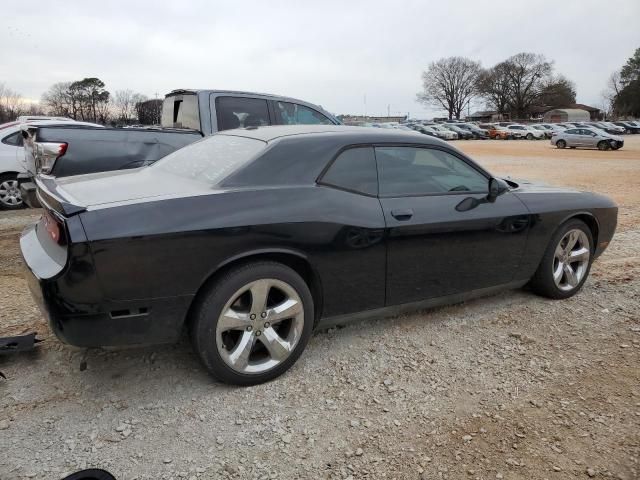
[542, 282]
[561, 144]
[5, 202]
[529, 136]
[604, 145]
[206, 314]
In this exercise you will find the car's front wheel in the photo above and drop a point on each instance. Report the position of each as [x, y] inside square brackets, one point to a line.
[566, 262]
[253, 323]
[10, 198]
[561, 144]
[529, 136]
[604, 145]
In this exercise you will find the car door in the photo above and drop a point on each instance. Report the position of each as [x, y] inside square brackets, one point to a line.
[590, 138]
[354, 267]
[572, 137]
[11, 152]
[434, 248]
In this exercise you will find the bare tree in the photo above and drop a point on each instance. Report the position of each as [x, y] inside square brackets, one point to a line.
[11, 103]
[124, 102]
[450, 83]
[58, 102]
[526, 73]
[149, 111]
[494, 86]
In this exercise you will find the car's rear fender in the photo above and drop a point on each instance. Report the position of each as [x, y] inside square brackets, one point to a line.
[292, 258]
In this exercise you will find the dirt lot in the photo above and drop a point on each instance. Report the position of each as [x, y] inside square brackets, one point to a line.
[513, 386]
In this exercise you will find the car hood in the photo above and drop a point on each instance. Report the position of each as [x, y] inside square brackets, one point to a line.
[529, 186]
[128, 185]
[538, 196]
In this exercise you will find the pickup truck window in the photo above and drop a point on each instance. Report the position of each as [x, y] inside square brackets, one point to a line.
[181, 111]
[211, 160]
[294, 114]
[241, 112]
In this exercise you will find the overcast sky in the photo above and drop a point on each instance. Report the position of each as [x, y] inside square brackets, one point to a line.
[333, 53]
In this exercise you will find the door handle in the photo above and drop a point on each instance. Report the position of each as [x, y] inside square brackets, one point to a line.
[402, 214]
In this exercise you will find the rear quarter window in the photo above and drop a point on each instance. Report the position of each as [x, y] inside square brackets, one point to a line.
[354, 170]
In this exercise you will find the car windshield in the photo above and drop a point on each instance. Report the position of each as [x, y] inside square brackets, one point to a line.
[211, 160]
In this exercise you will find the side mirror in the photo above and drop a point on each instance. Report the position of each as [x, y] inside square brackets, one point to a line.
[497, 187]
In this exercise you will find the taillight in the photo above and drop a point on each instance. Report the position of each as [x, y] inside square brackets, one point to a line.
[47, 153]
[54, 228]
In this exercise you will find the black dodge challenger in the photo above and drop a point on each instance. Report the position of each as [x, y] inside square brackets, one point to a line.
[251, 238]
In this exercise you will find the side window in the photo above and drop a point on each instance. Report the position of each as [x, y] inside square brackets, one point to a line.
[15, 139]
[294, 114]
[354, 169]
[240, 112]
[419, 171]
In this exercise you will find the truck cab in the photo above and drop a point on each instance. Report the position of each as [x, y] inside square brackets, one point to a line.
[210, 111]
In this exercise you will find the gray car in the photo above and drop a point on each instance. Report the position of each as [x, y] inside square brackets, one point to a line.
[586, 138]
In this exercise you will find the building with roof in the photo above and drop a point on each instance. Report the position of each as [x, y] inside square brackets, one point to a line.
[567, 115]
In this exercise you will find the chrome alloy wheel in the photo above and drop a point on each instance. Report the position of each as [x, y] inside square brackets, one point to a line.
[10, 193]
[571, 260]
[260, 326]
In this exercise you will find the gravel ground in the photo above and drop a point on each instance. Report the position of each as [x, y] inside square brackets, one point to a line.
[512, 386]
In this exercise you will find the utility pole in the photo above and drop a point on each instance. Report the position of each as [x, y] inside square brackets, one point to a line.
[365, 107]
[388, 110]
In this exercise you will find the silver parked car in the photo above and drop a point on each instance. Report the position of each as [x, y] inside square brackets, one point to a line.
[586, 138]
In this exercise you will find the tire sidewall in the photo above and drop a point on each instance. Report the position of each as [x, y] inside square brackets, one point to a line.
[207, 313]
[547, 261]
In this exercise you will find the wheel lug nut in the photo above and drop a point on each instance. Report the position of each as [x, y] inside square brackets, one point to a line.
[252, 316]
[258, 333]
[249, 328]
[263, 314]
[266, 324]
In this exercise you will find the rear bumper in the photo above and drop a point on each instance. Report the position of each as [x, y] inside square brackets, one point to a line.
[28, 190]
[78, 315]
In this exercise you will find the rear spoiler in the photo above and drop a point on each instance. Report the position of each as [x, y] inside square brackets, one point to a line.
[54, 197]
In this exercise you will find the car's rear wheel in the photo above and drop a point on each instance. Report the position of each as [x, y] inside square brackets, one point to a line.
[10, 198]
[253, 323]
[561, 144]
[603, 145]
[529, 136]
[566, 262]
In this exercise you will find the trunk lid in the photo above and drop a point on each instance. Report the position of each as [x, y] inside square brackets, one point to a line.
[84, 191]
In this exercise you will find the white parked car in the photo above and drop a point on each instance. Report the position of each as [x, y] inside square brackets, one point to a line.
[12, 158]
[444, 133]
[525, 131]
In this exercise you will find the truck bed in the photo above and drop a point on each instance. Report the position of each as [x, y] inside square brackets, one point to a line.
[92, 150]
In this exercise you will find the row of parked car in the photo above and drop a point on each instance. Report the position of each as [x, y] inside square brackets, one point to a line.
[602, 135]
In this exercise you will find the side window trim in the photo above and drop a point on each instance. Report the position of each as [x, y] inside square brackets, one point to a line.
[477, 168]
[319, 180]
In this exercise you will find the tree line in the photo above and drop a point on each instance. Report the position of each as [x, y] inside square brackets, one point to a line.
[623, 89]
[86, 100]
[512, 87]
